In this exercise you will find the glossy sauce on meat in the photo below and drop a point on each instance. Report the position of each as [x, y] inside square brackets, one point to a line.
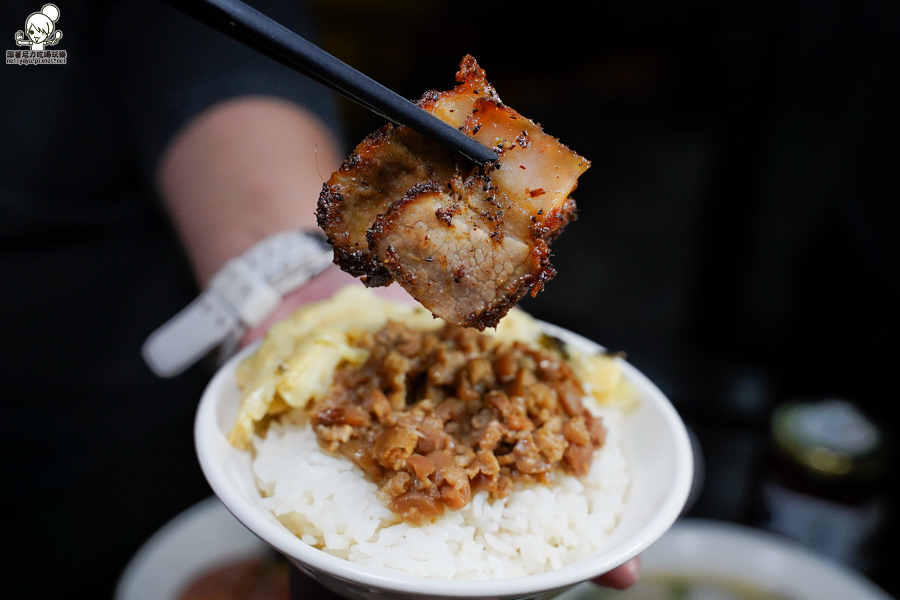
[433, 417]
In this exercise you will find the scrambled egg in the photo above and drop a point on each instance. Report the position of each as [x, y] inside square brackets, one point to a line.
[295, 363]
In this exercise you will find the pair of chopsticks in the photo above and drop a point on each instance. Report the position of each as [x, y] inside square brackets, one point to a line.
[247, 25]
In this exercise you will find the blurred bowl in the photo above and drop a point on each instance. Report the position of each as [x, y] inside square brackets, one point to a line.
[199, 540]
[700, 558]
[655, 443]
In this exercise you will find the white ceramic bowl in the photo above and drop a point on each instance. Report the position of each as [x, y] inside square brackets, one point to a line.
[655, 442]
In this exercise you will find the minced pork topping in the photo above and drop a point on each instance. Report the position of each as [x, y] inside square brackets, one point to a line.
[435, 416]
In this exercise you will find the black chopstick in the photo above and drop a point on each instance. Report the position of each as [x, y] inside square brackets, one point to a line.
[252, 28]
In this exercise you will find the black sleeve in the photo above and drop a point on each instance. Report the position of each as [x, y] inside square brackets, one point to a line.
[173, 67]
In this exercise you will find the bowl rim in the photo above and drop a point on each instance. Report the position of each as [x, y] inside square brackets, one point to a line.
[207, 433]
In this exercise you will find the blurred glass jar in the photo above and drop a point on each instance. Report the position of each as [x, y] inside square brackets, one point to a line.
[824, 481]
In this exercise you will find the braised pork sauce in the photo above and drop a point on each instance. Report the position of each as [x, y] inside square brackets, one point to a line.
[434, 417]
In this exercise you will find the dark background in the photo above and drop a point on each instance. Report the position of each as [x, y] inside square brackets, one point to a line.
[738, 230]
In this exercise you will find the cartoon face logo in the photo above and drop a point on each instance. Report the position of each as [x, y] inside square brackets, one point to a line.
[40, 27]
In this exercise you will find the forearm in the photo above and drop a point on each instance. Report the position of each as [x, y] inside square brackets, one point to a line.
[242, 170]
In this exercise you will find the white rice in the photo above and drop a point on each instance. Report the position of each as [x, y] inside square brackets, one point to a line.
[329, 504]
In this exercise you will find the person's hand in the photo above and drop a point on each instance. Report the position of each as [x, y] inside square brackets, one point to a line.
[621, 577]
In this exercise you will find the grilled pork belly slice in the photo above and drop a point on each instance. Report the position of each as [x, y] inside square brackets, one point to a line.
[447, 245]
[381, 169]
[466, 241]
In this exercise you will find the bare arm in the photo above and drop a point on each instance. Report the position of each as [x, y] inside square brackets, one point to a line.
[242, 170]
